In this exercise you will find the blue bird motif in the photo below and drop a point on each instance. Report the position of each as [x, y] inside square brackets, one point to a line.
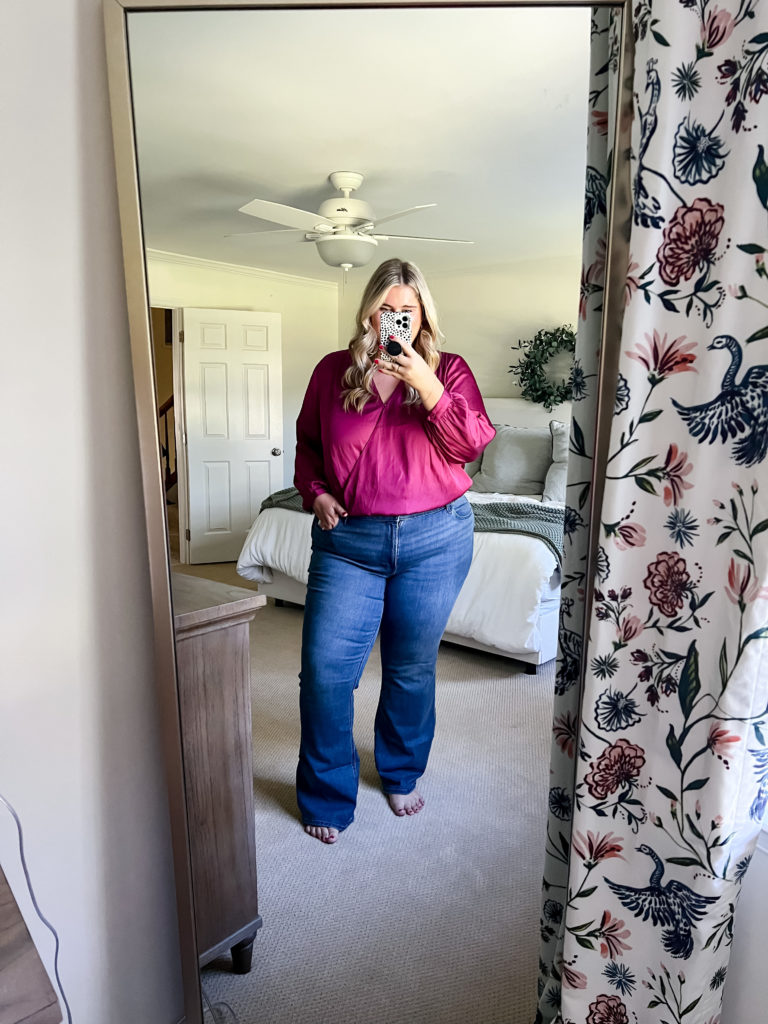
[757, 810]
[739, 411]
[673, 906]
[649, 119]
[647, 208]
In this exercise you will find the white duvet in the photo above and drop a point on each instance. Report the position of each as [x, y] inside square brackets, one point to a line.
[498, 605]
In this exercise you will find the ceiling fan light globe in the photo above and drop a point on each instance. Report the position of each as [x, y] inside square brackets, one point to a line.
[354, 250]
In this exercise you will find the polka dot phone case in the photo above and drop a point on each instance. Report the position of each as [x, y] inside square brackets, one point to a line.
[397, 324]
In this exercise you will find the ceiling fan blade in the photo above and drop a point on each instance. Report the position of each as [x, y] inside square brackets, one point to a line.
[291, 216]
[253, 234]
[402, 213]
[420, 238]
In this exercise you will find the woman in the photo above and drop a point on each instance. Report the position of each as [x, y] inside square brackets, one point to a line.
[381, 447]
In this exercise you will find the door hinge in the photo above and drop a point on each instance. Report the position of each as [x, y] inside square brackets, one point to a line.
[188, 535]
[181, 337]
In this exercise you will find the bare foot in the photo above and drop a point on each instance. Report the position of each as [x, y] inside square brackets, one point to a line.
[321, 832]
[406, 803]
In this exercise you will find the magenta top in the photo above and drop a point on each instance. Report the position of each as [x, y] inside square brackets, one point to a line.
[391, 458]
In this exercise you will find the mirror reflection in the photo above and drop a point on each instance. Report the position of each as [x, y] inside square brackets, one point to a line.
[253, 129]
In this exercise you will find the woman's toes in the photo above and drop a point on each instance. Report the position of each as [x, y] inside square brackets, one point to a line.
[321, 832]
[406, 803]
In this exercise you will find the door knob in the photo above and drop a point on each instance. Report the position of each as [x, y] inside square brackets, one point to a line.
[277, 451]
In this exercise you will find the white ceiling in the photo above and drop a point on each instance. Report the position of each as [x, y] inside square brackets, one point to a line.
[482, 111]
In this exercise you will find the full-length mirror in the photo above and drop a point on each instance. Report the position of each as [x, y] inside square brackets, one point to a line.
[255, 133]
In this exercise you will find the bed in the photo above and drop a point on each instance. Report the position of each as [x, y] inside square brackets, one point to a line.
[510, 600]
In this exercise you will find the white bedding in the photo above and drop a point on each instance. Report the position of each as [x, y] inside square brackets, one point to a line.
[499, 604]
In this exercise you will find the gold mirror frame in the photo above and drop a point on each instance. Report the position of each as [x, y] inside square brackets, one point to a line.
[116, 29]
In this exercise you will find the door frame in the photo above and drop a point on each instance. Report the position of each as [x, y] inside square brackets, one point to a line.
[180, 426]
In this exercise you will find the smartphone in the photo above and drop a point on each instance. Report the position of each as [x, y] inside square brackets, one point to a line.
[394, 324]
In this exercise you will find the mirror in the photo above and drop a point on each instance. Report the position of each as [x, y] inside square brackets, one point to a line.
[480, 110]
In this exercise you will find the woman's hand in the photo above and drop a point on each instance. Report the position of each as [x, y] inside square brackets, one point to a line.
[328, 511]
[411, 368]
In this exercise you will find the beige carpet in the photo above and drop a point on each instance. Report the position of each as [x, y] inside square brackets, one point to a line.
[424, 920]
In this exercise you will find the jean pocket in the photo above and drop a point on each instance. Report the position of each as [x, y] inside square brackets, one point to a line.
[461, 508]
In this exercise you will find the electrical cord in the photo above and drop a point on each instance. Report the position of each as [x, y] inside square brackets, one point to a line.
[35, 904]
[215, 1008]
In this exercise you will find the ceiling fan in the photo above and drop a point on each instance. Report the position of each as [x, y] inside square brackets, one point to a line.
[343, 229]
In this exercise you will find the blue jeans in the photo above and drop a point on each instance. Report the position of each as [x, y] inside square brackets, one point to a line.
[399, 575]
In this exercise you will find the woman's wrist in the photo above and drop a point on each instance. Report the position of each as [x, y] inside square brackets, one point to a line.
[431, 394]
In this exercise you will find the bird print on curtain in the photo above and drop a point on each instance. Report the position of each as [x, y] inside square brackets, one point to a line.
[739, 411]
[674, 906]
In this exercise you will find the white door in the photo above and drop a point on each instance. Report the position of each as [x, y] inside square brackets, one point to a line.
[234, 425]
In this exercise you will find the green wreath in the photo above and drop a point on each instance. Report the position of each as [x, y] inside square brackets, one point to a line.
[531, 368]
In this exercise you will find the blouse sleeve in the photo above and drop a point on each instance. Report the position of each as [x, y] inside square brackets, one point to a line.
[309, 476]
[458, 425]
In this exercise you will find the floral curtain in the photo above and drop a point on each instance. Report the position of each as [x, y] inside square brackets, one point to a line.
[660, 763]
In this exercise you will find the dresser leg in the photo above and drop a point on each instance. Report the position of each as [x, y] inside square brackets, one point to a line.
[242, 955]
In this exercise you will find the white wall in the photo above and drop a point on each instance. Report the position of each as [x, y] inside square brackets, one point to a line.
[484, 313]
[746, 990]
[79, 748]
[309, 311]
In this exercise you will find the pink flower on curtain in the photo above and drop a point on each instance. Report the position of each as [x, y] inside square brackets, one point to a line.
[630, 627]
[629, 535]
[607, 1010]
[662, 358]
[676, 466]
[617, 766]
[741, 588]
[600, 121]
[719, 739]
[571, 978]
[564, 730]
[667, 582]
[612, 932]
[690, 240]
[593, 848]
[716, 28]
[631, 283]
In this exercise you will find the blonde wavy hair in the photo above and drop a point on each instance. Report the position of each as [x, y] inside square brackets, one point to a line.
[364, 346]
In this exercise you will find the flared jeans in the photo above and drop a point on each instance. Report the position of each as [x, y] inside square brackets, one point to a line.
[397, 576]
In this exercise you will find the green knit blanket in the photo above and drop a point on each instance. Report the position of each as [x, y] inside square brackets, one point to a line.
[530, 518]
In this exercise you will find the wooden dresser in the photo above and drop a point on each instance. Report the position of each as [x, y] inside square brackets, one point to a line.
[213, 658]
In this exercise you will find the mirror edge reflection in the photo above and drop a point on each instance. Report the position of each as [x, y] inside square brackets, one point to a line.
[137, 294]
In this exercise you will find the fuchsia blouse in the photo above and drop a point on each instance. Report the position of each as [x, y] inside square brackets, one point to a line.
[391, 458]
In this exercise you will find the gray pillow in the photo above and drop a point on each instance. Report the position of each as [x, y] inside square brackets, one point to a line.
[559, 433]
[515, 462]
[554, 484]
[471, 468]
